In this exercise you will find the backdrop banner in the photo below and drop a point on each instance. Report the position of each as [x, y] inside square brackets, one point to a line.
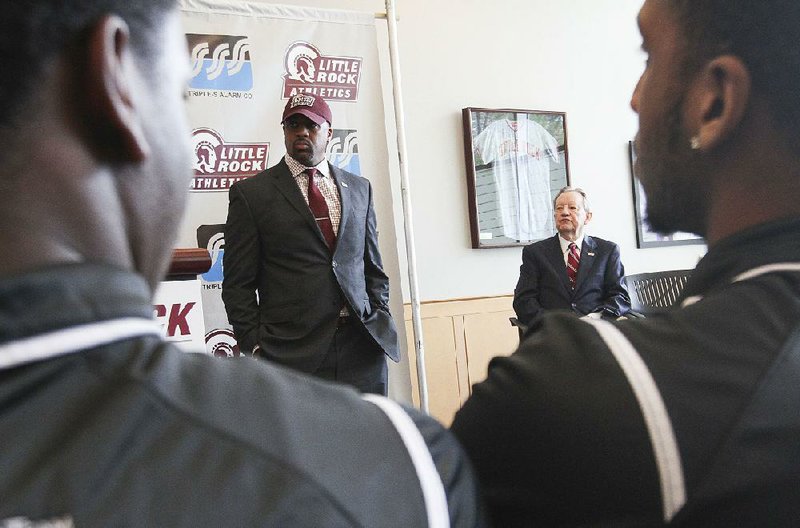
[248, 58]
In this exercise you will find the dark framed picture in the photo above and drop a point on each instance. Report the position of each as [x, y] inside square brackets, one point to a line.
[517, 160]
[644, 237]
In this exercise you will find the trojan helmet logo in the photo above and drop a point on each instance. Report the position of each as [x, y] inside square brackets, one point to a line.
[206, 143]
[299, 62]
[220, 62]
[222, 343]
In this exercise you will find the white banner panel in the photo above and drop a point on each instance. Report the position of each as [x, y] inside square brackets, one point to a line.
[178, 308]
[247, 59]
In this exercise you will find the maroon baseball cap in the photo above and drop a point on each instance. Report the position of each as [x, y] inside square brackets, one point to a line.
[313, 107]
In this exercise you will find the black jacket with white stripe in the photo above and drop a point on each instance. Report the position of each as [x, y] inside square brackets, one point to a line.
[689, 419]
[110, 426]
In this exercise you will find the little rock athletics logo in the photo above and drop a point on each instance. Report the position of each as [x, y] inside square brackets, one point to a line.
[220, 62]
[218, 165]
[308, 71]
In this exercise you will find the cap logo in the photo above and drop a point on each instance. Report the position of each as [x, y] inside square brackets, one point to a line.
[302, 100]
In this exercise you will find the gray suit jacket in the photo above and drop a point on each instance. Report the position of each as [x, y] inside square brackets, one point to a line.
[273, 246]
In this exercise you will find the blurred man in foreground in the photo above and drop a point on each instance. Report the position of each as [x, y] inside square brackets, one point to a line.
[690, 419]
[103, 423]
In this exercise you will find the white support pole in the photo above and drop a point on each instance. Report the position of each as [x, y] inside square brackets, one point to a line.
[416, 320]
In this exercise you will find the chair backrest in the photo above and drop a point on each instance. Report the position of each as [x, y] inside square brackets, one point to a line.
[652, 293]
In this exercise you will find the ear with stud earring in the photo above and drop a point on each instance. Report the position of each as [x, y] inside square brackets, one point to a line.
[694, 142]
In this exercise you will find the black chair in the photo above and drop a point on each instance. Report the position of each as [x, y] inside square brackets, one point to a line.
[653, 293]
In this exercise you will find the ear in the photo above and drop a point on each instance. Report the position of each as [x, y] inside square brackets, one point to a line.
[588, 218]
[717, 101]
[112, 79]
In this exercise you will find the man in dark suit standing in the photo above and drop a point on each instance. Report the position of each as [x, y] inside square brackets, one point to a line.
[303, 235]
[571, 270]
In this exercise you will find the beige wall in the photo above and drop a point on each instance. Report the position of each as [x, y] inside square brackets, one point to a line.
[461, 337]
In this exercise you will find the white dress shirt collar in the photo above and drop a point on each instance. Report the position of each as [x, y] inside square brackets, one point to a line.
[565, 246]
[565, 243]
[295, 167]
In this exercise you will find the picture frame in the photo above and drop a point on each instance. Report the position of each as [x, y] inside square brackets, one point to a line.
[645, 238]
[516, 161]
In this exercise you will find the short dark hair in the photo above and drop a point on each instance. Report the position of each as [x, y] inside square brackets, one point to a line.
[764, 34]
[34, 31]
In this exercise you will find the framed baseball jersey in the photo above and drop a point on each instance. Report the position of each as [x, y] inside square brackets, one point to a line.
[516, 162]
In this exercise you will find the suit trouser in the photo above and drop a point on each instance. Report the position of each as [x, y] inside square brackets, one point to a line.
[354, 358]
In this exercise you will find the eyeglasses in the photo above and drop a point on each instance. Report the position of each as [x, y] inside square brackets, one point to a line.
[296, 124]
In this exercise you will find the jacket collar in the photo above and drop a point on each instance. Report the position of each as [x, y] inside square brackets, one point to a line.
[68, 295]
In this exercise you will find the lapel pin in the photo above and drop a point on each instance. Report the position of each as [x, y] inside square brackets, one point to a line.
[344, 184]
[590, 254]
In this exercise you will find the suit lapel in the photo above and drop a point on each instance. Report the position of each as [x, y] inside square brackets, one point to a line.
[285, 183]
[556, 258]
[588, 253]
[343, 183]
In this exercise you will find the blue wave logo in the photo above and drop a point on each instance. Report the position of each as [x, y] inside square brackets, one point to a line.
[216, 247]
[220, 62]
[342, 151]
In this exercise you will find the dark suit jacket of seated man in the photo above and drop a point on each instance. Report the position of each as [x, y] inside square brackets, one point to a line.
[544, 282]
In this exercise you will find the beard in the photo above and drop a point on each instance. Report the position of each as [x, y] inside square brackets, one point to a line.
[672, 178]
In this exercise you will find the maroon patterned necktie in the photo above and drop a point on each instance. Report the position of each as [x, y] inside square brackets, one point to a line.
[573, 262]
[319, 208]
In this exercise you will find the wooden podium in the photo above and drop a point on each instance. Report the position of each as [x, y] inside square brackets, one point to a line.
[188, 263]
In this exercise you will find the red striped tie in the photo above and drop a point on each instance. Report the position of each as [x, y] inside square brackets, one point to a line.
[319, 208]
[573, 262]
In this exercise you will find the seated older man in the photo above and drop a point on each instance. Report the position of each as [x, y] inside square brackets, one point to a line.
[571, 270]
